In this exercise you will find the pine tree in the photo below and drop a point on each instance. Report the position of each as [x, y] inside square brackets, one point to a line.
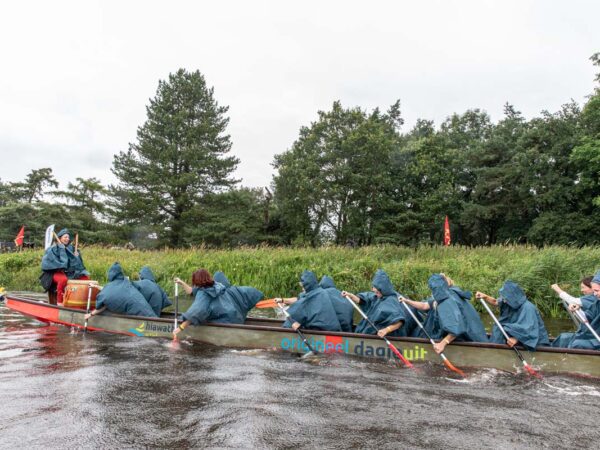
[180, 155]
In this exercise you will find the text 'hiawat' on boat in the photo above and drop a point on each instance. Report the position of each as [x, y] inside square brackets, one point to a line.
[263, 333]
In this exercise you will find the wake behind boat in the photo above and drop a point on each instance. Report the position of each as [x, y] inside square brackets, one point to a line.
[260, 333]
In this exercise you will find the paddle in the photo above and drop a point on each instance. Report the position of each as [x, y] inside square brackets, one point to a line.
[401, 357]
[287, 316]
[176, 309]
[584, 320]
[87, 311]
[447, 362]
[76, 242]
[527, 367]
[268, 303]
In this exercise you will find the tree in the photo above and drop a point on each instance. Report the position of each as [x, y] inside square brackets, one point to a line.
[33, 186]
[329, 184]
[179, 156]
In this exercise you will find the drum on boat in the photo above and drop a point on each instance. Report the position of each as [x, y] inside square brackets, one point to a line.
[76, 294]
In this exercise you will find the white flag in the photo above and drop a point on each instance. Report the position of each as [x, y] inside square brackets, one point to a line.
[49, 233]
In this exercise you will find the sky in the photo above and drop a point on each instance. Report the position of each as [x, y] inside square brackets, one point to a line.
[76, 77]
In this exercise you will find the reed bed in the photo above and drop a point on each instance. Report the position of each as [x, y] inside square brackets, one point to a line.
[275, 271]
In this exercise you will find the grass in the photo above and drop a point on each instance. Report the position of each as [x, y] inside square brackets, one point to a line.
[275, 271]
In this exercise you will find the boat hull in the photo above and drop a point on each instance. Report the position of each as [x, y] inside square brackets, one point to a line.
[268, 334]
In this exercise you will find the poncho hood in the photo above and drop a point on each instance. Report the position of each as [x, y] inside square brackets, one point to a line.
[146, 274]
[596, 278]
[215, 290]
[512, 294]
[327, 282]
[63, 232]
[439, 287]
[115, 272]
[220, 277]
[309, 281]
[381, 282]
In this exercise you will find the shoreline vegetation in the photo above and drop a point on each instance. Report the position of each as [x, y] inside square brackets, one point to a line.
[275, 270]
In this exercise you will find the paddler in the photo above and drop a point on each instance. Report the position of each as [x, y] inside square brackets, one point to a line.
[519, 317]
[451, 316]
[156, 297]
[383, 309]
[583, 338]
[587, 298]
[61, 263]
[343, 309]
[214, 302]
[121, 297]
[313, 309]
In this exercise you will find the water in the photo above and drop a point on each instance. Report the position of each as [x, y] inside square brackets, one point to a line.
[63, 389]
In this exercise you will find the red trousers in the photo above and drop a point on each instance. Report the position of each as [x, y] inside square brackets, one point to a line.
[61, 283]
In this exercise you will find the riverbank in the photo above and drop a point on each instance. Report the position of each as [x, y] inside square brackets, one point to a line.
[275, 270]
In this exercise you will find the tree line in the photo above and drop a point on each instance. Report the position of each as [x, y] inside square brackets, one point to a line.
[352, 177]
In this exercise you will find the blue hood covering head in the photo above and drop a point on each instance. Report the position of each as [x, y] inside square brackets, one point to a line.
[63, 232]
[327, 282]
[115, 272]
[512, 294]
[220, 277]
[309, 280]
[439, 287]
[146, 274]
[596, 278]
[382, 283]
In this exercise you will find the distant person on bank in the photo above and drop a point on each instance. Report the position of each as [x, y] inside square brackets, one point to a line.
[214, 302]
[62, 263]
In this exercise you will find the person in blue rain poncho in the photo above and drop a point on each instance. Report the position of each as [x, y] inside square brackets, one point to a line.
[519, 317]
[383, 308]
[586, 302]
[313, 309]
[61, 263]
[583, 338]
[216, 302]
[451, 316]
[121, 297]
[343, 309]
[156, 297]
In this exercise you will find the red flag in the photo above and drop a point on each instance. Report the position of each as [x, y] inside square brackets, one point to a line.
[20, 237]
[447, 239]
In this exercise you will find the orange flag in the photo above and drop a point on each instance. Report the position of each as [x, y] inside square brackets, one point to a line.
[447, 239]
[20, 237]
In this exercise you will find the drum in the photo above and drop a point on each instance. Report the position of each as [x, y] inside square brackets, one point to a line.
[76, 294]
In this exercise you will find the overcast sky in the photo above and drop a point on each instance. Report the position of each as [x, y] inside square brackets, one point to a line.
[75, 77]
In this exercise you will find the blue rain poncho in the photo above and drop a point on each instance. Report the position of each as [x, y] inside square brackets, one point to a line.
[220, 277]
[385, 310]
[452, 313]
[61, 257]
[313, 310]
[343, 309]
[583, 338]
[519, 318]
[222, 304]
[121, 297]
[156, 297]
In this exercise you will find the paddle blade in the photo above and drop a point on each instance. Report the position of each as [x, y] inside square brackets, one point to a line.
[532, 372]
[269, 303]
[400, 356]
[451, 367]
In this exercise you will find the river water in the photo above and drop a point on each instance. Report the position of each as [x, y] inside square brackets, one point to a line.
[64, 389]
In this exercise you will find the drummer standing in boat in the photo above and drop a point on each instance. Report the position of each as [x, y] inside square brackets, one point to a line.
[62, 263]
